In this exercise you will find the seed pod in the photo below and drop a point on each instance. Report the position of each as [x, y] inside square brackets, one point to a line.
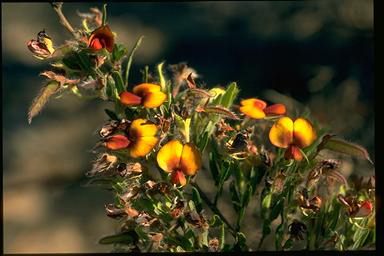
[342, 146]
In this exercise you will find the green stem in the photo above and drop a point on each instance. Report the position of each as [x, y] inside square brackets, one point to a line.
[214, 208]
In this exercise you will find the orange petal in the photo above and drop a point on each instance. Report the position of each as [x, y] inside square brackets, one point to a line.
[190, 159]
[142, 146]
[275, 109]
[154, 99]
[303, 133]
[117, 142]
[142, 128]
[169, 155]
[254, 102]
[293, 152]
[102, 34]
[143, 89]
[178, 178]
[252, 111]
[281, 132]
[130, 99]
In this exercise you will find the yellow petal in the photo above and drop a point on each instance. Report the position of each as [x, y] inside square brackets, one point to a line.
[169, 155]
[143, 89]
[190, 159]
[254, 102]
[142, 146]
[281, 132]
[252, 111]
[303, 133]
[142, 128]
[154, 99]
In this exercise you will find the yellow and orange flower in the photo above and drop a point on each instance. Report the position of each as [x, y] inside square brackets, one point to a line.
[100, 38]
[292, 135]
[140, 140]
[148, 95]
[179, 160]
[258, 109]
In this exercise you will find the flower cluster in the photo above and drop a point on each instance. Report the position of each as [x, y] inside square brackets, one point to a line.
[163, 132]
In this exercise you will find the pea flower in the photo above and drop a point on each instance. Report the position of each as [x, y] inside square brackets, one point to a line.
[179, 160]
[100, 38]
[292, 135]
[258, 109]
[148, 95]
[140, 140]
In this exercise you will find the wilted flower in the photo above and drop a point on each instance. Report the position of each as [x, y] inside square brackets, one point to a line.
[296, 228]
[100, 38]
[42, 47]
[148, 95]
[258, 109]
[292, 135]
[139, 142]
[180, 160]
[356, 209]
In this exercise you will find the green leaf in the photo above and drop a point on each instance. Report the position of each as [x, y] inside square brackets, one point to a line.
[213, 165]
[265, 204]
[247, 196]
[234, 196]
[42, 98]
[111, 114]
[222, 236]
[203, 141]
[229, 96]
[118, 52]
[130, 58]
[277, 209]
[240, 242]
[129, 237]
[104, 20]
[109, 88]
[71, 61]
[161, 76]
[197, 199]
[215, 221]
[288, 244]
[84, 61]
[141, 233]
[191, 205]
[118, 82]
[257, 174]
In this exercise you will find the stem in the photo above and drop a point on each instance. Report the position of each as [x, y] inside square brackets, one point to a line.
[214, 208]
[57, 6]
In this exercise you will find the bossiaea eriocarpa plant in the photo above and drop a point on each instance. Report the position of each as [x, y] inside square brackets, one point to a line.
[167, 140]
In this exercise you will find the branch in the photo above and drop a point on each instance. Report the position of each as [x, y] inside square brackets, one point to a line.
[214, 208]
[57, 6]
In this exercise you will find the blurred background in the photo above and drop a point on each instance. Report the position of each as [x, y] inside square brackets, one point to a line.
[318, 53]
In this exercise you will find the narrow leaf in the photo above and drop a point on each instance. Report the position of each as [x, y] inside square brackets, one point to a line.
[161, 76]
[118, 82]
[130, 58]
[197, 199]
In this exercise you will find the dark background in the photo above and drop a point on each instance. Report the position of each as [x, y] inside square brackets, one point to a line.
[317, 54]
